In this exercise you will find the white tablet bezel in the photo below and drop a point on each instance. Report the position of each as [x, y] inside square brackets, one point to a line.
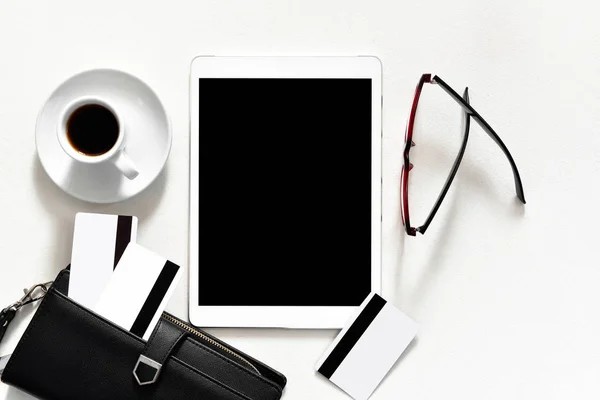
[281, 67]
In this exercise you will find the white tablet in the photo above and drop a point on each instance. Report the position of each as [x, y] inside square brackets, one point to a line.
[285, 191]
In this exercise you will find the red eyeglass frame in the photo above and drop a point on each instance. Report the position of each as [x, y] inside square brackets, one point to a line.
[409, 143]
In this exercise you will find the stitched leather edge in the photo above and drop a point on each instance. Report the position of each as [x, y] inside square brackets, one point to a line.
[249, 373]
[175, 343]
[258, 364]
[208, 377]
[212, 353]
[160, 322]
[122, 332]
[67, 299]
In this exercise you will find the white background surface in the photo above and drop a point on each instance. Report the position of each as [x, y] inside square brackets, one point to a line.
[507, 296]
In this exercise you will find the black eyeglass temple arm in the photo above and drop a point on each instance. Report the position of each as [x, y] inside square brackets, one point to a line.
[453, 171]
[488, 129]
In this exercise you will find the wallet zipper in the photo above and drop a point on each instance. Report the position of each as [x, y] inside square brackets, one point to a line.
[202, 336]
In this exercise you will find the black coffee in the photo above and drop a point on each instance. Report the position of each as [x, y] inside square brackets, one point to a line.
[92, 129]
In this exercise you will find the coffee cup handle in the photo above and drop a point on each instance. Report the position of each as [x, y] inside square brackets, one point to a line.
[125, 165]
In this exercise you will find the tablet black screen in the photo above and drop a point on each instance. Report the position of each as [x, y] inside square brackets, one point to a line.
[285, 192]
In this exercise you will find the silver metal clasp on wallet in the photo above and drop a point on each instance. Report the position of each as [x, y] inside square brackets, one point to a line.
[31, 295]
[146, 371]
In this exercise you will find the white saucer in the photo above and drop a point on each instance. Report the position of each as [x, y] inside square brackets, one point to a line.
[148, 140]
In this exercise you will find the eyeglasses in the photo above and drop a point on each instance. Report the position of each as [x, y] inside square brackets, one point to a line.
[469, 113]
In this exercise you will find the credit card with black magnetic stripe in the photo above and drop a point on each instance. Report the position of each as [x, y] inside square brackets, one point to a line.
[156, 296]
[367, 348]
[139, 290]
[99, 241]
[352, 335]
[124, 231]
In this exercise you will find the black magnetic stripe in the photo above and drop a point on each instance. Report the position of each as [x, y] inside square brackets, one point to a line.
[156, 296]
[123, 238]
[352, 336]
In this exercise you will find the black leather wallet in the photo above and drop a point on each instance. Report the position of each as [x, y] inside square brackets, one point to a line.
[70, 353]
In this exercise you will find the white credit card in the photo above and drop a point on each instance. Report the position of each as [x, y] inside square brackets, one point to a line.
[99, 241]
[139, 290]
[367, 348]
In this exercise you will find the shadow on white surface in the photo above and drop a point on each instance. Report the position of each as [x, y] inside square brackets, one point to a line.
[24, 314]
[434, 261]
[409, 349]
[267, 334]
[392, 375]
[470, 181]
[62, 208]
[398, 247]
[495, 192]
[16, 394]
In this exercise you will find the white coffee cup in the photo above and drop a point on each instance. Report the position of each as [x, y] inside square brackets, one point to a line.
[115, 155]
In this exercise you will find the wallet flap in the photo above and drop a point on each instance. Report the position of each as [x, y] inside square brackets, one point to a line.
[158, 349]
